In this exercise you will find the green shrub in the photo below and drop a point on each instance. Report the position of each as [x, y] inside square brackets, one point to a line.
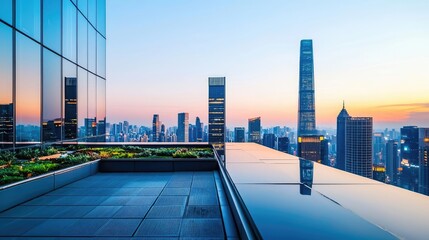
[184, 153]
[28, 153]
[49, 151]
[7, 156]
[6, 179]
[74, 159]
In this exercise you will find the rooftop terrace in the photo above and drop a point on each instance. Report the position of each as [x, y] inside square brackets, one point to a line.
[257, 193]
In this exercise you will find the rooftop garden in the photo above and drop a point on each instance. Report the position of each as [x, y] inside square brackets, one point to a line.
[30, 162]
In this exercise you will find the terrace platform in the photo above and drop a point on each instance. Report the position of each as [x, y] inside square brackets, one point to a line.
[126, 205]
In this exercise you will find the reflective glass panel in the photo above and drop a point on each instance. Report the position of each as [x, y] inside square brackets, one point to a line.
[101, 108]
[51, 121]
[83, 6]
[6, 11]
[91, 121]
[69, 30]
[27, 89]
[101, 16]
[101, 56]
[92, 49]
[92, 11]
[52, 24]
[82, 102]
[28, 17]
[6, 101]
[82, 41]
[70, 100]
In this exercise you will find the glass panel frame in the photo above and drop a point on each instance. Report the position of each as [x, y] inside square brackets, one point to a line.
[6, 83]
[28, 19]
[69, 30]
[52, 25]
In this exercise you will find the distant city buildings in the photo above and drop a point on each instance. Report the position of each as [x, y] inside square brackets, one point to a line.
[359, 146]
[341, 138]
[239, 134]
[254, 130]
[269, 140]
[311, 147]
[392, 161]
[217, 109]
[156, 128]
[183, 127]
[283, 144]
[306, 105]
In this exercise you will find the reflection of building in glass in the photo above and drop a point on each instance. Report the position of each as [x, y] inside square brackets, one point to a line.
[255, 130]
[70, 108]
[311, 147]
[305, 176]
[217, 113]
[6, 123]
[90, 128]
[306, 106]
[41, 44]
[359, 146]
[183, 127]
[239, 134]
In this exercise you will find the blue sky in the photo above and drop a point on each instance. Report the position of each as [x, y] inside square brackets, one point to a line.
[373, 54]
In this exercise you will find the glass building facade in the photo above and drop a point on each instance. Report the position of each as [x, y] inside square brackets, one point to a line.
[217, 113]
[359, 146]
[306, 106]
[52, 71]
[254, 130]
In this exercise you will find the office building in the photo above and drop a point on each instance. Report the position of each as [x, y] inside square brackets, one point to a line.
[269, 140]
[359, 146]
[217, 113]
[341, 139]
[379, 173]
[183, 127]
[239, 134]
[156, 128]
[310, 147]
[283, 144]
[409, 158]
[162, 134]
[306, 105]
[423, 161]
[199, 130]
[53, 61]
[254, 130]
[392, 161]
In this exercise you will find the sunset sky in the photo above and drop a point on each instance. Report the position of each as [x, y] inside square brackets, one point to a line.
[374, 54]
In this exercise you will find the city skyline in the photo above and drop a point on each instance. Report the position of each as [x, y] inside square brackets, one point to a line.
[374, 65]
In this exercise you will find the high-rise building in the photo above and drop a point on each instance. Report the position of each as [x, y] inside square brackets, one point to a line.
[156, 128]
[310, 147]
[379, 173]
[379, 143]
[424, 161]
[217, 113]
[409, 158]
[306, 105]
[162, 134]
[192, 133]
[183, 127]
[283, 144]
[269, 140]
[44, 47]
[199, 130]
[359, 146]
[341, 139]
[254, 130]
[392, 161]
[239, 134]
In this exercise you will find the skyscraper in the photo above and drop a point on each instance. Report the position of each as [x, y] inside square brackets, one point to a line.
[310, 147]
[255, 130]
[199, 130]
[156, 128]
[239, 134]
[409, 158]
[392, 160]
[341, 138]
[183, 127]
[217, 113]
[306, 106]
[424, 161]
[44, 47]
[269, 140]
[359, 146]
[283, 144]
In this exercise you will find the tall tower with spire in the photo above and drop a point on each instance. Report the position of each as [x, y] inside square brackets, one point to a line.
[341, 138]
[306, 106]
